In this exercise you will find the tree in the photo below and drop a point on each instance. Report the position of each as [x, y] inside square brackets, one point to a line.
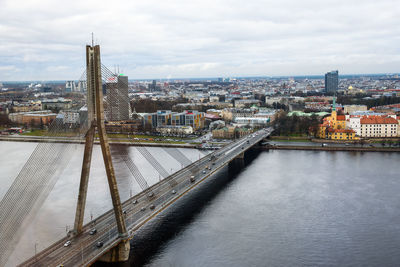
[4, 120]
[362, 142]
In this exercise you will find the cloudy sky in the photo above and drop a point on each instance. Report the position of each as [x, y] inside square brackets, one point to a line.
[45, 39]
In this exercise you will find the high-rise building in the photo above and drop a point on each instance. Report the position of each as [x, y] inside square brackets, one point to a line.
[332, 81]
[117, 98]
[152, 86]
[81, 86]
[70, 86]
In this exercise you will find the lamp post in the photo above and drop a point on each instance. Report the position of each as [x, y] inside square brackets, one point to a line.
[36, 243]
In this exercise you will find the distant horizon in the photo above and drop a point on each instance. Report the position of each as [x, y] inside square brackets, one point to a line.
[314, 76]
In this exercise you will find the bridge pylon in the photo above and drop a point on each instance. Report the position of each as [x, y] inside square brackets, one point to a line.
[96, 121]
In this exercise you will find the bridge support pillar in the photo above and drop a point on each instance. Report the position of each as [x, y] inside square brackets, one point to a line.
[238, 162]
[240, 156]
[119, 253]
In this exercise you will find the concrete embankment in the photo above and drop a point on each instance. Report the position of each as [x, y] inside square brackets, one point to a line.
[38, 139]
[333, 148]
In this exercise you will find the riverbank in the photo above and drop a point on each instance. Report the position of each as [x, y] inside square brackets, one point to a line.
[303, 139]
[332, 148]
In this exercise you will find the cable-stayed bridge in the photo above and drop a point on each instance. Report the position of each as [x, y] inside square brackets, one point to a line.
[140, 209]
[116, 227]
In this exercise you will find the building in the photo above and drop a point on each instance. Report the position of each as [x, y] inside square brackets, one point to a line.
[231, 113]
[334, 127]
[241, 103]
[117, 98]
[70, 86]
[341, 134]
[230, 132]
[332, 81]
[194, 118]
[163, 118]
[216, 125]
[213, 99]
[378, 126]
[57, 103]
[83, 115]
[349, 109]
[26, 106]
[215, 112]
[355, 124]
[270, 100]
[152, 87]
[34, 118]
[81, 86]
[254, 122]
[175, 130]
[70, 116]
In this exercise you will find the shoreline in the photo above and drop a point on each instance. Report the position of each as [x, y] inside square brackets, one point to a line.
[332, 148]
[316, 140]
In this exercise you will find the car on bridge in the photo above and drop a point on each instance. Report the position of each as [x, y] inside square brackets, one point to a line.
[93, 231]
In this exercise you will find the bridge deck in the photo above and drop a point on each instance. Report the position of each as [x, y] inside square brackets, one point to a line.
[140, 209]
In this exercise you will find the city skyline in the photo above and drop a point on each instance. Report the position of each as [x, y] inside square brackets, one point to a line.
[45, 40]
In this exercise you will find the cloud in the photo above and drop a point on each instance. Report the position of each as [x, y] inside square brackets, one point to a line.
[8, 68]
[158, 39]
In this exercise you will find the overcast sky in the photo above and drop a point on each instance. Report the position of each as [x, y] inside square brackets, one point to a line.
[45, 39]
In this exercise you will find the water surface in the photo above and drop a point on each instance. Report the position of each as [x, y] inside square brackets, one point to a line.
[293, 208]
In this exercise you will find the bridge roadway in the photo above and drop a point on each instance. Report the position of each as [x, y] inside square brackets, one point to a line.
[83, 250]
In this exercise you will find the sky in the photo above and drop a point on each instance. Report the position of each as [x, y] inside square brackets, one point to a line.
[46, 39]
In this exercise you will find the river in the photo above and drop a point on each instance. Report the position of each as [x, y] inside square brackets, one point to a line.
[283, 208]
[288, 208]
[51, 220]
